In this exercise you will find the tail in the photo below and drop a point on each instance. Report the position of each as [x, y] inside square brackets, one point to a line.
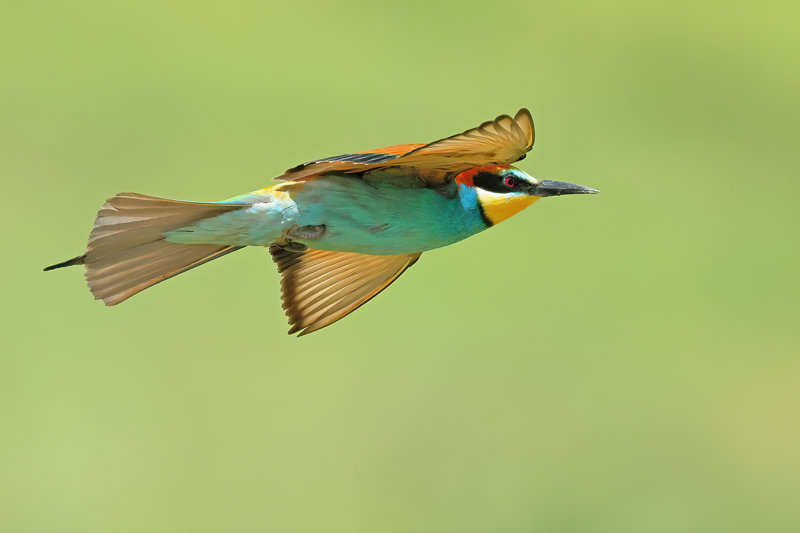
[127, 252]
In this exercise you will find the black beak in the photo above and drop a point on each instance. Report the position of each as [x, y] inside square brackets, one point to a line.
[557, 188]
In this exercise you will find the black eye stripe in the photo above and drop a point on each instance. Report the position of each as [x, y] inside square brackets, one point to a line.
[491, 182]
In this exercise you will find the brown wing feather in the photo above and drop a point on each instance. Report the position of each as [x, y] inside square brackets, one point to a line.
[501, 141]
[320, 287]
[347, 163]
[398, 149]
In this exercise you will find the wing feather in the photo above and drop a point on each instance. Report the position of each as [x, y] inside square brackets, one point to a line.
[501, 141]
[320, 287]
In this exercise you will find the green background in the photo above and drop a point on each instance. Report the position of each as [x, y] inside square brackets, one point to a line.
[626, 362]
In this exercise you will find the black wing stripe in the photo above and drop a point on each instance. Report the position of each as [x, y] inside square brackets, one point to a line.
[356, 158]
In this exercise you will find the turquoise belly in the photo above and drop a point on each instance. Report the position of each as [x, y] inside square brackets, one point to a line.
[380, 219]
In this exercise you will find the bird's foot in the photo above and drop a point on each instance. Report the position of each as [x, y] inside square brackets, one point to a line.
[306, 233]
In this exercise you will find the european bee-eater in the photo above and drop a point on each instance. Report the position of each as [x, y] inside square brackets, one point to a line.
[340, 229]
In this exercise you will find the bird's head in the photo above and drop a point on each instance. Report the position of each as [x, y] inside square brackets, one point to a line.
[502, 190]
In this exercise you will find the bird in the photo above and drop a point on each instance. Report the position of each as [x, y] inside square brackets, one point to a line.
[340, 229]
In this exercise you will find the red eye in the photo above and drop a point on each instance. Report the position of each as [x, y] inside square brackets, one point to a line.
[509, 182]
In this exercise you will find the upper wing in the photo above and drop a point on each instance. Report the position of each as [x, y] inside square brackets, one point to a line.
[347, 163]
[319, 287]
[501, 141]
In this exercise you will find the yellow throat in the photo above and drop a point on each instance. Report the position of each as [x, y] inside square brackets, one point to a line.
[498, 207]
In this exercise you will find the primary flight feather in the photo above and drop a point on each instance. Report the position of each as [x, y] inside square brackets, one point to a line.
[340, 229]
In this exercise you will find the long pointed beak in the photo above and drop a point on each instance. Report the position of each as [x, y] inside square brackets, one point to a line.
[557, 188]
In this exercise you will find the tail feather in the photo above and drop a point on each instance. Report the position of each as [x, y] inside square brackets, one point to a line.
[127, 252]
[116, 283]
[68, 263]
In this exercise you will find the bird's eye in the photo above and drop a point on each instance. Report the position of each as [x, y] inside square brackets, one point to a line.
[509, 182]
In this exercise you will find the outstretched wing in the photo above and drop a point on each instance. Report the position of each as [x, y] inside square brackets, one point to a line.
[347, 163]
[501, 141]
[320, 287]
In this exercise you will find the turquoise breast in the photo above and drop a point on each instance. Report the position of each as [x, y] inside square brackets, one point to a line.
[381, 219]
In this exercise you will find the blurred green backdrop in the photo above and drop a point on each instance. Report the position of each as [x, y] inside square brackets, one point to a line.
[643, 377]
